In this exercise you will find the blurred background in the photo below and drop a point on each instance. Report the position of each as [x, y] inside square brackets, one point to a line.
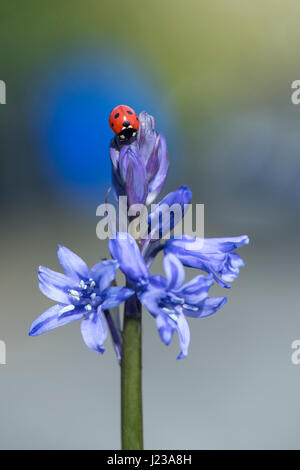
[217, 77]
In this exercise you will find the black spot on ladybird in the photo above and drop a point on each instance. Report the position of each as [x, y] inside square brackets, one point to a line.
[117, 115]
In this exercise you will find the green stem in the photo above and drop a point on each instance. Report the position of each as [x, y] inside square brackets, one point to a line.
[131, 377]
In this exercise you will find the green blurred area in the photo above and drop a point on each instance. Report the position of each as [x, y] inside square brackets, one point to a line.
[207, 52]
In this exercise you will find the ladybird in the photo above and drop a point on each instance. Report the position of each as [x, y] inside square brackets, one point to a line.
[124, 122]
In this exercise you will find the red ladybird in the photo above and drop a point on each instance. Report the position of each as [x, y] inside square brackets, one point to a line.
[124, 122]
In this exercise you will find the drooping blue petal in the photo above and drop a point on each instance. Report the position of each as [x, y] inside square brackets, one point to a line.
[169, 212]
[174, 272]
[184, 336]
[103, 273]
[125, 250]
[165, 328]
[114, 296]
[213, 255]
[94, 331]
[72, 264]
[55, 285]
[51, 319]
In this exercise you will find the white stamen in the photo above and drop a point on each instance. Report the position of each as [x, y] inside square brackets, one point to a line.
[67, 308]
[174, 317]
[75, 294]
[88, 307]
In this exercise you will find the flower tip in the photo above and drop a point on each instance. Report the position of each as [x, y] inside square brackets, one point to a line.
[184, 187]
[181, 356]
[100, 350]
[41, 270]
[32, 331]
[223, 302]
[61, 247]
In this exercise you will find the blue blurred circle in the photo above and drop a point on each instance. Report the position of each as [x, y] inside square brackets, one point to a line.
[71, 110]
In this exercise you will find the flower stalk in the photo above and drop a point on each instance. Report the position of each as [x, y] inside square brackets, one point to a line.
[131, 377]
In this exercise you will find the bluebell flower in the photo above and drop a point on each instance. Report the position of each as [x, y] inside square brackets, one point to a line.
[213, 255]
[168, 299]
[162, 219]
[82, 294]
[140, 168]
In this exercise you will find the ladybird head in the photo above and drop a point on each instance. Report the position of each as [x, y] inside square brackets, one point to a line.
[124, 122]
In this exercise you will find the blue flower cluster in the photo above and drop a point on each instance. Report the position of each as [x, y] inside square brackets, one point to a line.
[139, 171]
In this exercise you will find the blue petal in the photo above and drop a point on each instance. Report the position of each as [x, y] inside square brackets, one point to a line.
[166, 215]
[174, 272]
[152, 165]
[232, 267]
[104, 273]
[151, 297]
[153, 150]
[167, 325]
[55, 285]
[51, 319]
[94, 331]
[133, 174]
[112, 317]
[223, 245]
[125, 250]
[72, 264]
[156, 184]
[197, 289]
[165, 328]
[117, 186]
[206, 308]
[145, 134]
[116, 295]
[184, 336]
